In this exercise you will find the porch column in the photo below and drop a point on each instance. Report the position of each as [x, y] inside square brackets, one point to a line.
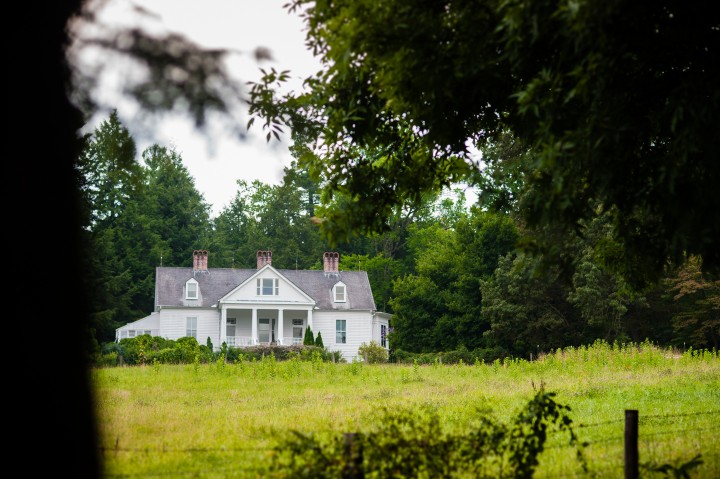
[280, 327]
[253, 327]
[223, 325]
[310, 320]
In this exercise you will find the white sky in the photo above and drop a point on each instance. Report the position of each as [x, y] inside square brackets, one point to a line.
[218, 160]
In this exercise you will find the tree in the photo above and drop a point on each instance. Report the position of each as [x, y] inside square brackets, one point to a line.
[110, 172]
[172, 208]
[614, 111]
[319, 341]
[527, 312]
[111, 179]
[142, 216]
[309, 339]
[698, 323]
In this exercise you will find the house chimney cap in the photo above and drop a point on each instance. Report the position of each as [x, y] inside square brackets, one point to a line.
[200, 260]
[330, 261]
[264, 257]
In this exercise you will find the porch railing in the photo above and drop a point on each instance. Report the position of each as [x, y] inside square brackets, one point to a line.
[244, 341]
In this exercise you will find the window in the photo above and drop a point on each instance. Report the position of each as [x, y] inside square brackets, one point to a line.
[268, 287]
[191, 328]
[339, 293]
[191, 289]
[340, 332]
[383, 335]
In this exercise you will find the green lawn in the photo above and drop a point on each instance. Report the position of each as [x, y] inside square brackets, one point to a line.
[222, 420]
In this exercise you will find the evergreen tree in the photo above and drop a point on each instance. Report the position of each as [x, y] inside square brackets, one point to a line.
[111, 179]
[308, 340]
[319, 341]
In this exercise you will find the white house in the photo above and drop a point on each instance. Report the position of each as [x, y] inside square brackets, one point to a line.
[245, 307]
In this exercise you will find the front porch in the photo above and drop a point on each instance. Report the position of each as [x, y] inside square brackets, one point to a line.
[246, 327]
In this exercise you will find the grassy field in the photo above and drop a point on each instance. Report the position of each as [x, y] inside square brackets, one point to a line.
[222, 420]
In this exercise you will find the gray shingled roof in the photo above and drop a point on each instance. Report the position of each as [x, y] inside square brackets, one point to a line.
[217, 282]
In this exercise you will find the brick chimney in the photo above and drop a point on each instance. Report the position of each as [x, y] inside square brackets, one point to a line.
[330, 262]
[263, 258]
[200, 260]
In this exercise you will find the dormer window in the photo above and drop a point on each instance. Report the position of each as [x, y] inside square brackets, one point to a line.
[339, 293]
[192, 289]
[268, 287]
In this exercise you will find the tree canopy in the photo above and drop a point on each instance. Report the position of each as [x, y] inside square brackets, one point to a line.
[616, 103]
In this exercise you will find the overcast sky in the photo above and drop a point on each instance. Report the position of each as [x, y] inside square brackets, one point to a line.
[218, 160]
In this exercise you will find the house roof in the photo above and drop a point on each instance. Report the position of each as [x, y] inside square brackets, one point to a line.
[214, 283]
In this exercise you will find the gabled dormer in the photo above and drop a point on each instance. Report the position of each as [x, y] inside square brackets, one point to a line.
[192, 289]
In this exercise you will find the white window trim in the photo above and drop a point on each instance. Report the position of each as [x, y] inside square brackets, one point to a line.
[189, 282]
[344, 331]
[344, 293]
[191, 327]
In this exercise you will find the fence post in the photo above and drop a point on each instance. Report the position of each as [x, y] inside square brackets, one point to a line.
[631, 444]
[353, 458]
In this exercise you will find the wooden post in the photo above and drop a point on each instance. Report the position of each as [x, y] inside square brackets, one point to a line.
[353, 458]
[631, 444]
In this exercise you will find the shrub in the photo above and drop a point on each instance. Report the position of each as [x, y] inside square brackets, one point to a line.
[308, 340]
[412, 443]
[373, 353]
[319, 341]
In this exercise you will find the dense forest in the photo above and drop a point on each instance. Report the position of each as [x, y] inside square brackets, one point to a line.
[454, 275]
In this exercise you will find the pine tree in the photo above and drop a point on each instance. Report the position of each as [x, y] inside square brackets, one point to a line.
[319, 341]
[309, 339]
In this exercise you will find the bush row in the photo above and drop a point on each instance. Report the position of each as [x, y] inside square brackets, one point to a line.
[457, 356]
[146, 349]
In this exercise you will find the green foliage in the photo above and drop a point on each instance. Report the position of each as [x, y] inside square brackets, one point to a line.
[459, 396]
[681, 470]
[142, 214]
[319, 341]
[404, 88]
[373, 353]
[476, 356]
[412, 443]
[308, 339]
[698, 322]
[439, 307]
[146, 349]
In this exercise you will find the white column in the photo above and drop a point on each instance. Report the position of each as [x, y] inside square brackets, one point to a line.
[280, 327]
[254, 326]
[310, 320]
[223, 325]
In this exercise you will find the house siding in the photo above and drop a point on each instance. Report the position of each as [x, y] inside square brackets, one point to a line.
[173, 324]
[358, 330]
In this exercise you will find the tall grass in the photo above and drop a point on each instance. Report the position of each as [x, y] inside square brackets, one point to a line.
[223, 420]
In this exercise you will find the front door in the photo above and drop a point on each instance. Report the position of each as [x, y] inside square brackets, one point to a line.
[297, 331]
[264, 330]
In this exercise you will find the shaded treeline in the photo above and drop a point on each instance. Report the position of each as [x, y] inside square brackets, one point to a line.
[452, 274]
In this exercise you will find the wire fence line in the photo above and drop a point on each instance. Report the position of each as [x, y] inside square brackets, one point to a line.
[579, 426]
[618, 439]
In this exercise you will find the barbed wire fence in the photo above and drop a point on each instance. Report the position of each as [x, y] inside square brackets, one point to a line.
[629, 439]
